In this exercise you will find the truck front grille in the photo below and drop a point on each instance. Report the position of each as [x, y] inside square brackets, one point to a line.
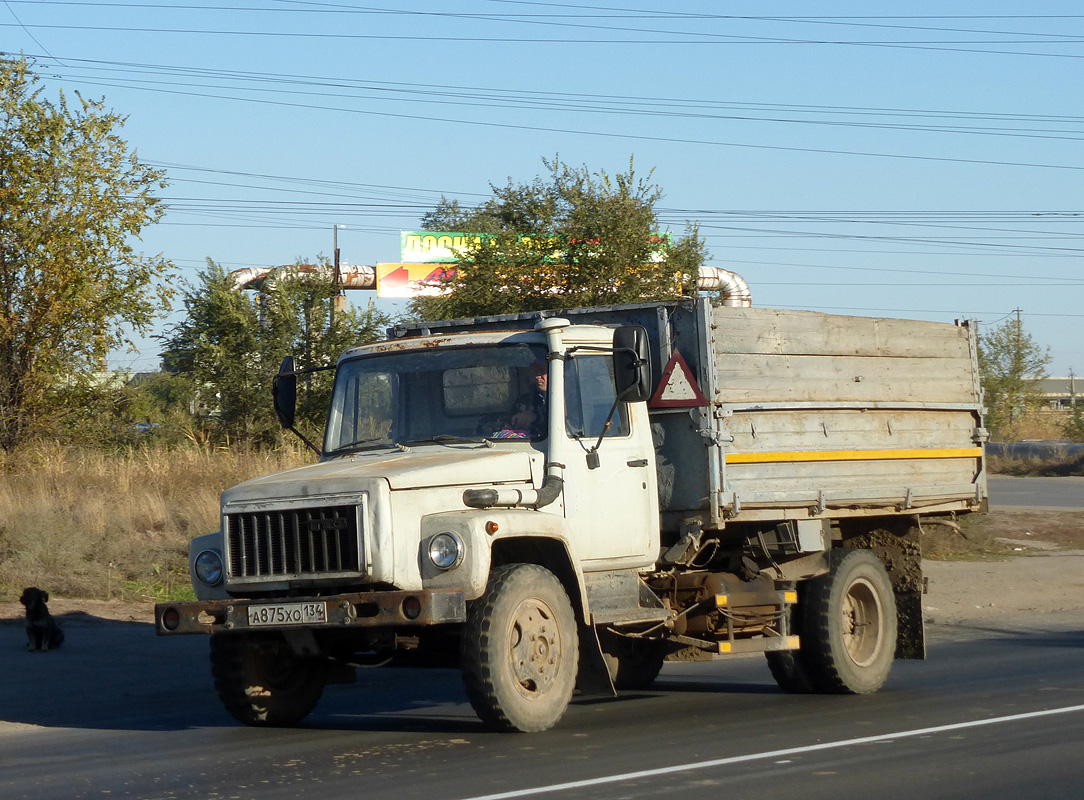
[304, 542]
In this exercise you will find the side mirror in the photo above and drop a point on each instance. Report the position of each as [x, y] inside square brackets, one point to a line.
[284, 393]
[632, 364]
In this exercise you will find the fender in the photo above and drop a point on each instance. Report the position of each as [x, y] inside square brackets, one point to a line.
[505, 536]
[500, 536]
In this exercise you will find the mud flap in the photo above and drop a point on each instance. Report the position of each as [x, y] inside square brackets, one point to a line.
[895, 540]
[594, 677]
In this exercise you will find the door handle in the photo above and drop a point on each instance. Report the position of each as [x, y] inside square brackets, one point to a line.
[639, 462]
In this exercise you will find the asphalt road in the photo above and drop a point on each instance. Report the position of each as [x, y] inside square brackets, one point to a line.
[1006, 490]
[994, 712]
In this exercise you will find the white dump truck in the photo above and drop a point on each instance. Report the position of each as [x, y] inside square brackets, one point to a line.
[558, 500]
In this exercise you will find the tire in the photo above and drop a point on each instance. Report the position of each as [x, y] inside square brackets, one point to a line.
[262, 682]
[788, 667]
[520, 650]
[632, 664]
[790, 672]
[848, 636]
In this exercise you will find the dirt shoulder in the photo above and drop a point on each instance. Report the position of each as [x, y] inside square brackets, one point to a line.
[1008, 562]
[84, 611]
[1037, 583]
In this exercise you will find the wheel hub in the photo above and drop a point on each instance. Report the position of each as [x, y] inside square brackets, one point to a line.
[862, 622]
[534, 647]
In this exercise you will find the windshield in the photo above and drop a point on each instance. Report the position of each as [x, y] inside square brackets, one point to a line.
[440, 394]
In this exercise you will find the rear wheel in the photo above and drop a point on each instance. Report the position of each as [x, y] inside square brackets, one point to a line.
[788, 667]
[261, 681]
[632, 663]
[848, 635]
[790, 672]
[520, 649]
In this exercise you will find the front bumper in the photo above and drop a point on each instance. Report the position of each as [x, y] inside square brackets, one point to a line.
[341, 611]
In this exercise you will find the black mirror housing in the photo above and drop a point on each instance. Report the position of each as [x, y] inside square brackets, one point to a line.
[284, 393]
[632, 364]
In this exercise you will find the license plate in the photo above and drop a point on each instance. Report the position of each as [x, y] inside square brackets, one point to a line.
[287, 614]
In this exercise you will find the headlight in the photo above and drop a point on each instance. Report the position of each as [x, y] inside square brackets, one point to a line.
[445, 550]
[208, 567]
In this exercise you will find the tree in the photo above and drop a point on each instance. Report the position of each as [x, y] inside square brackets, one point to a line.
[119, 412]
[231, 344]
[1011, 363]
[1073, 428]
[73, 199]
[571, 238]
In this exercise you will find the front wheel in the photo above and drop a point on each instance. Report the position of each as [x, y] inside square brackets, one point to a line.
[848, 636]
[261, 681]
[520, 649]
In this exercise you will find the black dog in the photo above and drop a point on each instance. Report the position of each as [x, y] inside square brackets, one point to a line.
[41, 628]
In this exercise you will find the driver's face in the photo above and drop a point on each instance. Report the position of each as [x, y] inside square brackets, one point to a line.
[541, 378]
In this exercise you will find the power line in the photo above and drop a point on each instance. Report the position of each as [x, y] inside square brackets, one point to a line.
[26, 30]
[593, 104]
[901, 270]
[684, 38]
[566, 20]
[922, 311]
[613, 135]
[586, 99]
[597, 109]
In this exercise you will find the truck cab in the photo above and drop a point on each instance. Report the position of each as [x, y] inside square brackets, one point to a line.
[443, 457]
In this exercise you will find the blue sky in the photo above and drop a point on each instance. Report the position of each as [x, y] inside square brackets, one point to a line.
[917, 159]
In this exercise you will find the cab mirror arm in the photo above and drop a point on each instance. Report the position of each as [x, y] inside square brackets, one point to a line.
[284, 397]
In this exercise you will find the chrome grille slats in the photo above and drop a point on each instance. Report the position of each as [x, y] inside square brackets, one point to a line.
[294, 543]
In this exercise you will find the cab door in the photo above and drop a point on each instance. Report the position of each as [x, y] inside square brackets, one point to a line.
[610, 491]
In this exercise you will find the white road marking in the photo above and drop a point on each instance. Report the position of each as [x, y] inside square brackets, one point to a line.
[779, 754]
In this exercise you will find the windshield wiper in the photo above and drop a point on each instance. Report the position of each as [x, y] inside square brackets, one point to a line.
[372, 443]
[445, 438]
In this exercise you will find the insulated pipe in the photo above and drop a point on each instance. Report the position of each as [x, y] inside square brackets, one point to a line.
[248, 277]
[357, 276]
[351, 276]
[733, 287]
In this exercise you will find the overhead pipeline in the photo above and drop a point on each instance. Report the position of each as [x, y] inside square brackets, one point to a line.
[731, 285]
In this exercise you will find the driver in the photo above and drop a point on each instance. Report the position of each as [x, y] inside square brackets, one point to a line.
[531, 405]
[529, 420]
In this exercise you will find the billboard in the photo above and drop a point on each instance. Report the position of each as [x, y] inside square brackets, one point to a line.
[408, 280]
[442, 247]
[427, 247]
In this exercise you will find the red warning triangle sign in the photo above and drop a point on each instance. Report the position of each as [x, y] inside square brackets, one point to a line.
[677, 388]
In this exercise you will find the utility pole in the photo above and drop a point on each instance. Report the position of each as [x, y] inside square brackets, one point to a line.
[336, 277]
[1017, 371]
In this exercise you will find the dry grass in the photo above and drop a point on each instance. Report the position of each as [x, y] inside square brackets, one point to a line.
[102, 526]
[1041, 423]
